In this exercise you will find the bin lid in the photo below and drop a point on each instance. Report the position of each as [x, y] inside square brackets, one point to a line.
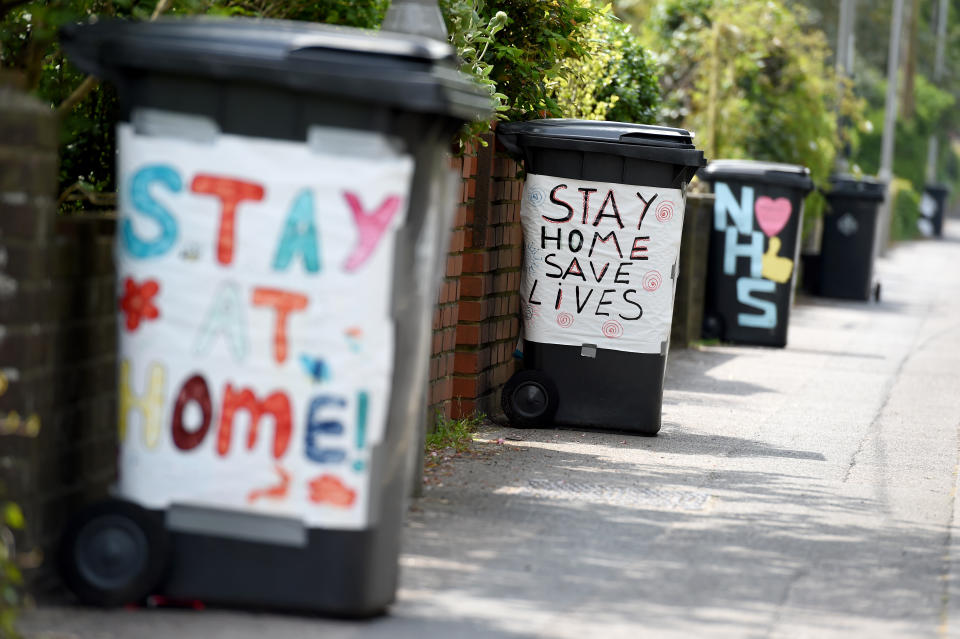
[867, 188]
[664, 143]
[776, 173]
[406, 71]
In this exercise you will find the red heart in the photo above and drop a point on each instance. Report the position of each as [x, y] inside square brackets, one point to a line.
[772, 215]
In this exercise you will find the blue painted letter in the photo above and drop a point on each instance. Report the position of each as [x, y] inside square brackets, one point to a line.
[746, 286]
[299, 234]
[143, 202]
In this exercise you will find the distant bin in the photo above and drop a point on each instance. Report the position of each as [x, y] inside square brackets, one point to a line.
[848, 245]
[933, 206]
[602, 216]
[754, 249]
[283, 194]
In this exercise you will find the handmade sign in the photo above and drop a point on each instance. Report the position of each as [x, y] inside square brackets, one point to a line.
[256, 339]
[770, 264]
[599, 263]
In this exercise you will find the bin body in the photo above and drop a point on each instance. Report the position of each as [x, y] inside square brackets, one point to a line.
[848, 245]
[933, 207]
[602, 216]
[754, 248]
[282, 199]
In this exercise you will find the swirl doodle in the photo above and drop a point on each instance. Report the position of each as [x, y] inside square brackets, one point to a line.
[536, 197]
[565, 320]
[652, 281]
[665, 211]
[612, 329]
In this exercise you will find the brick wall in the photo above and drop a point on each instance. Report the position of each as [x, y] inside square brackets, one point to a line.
[57, 332]
[476, 322]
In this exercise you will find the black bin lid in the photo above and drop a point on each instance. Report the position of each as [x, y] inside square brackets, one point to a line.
[787, 175]
[409, 72]
[658, 143]
[864, 188]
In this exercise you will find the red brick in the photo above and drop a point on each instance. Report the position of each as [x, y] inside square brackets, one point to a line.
[473, 285]
[471, 311]
[471, 189]
[474, 262]
[466, 362]
[464, 386]
[437, 344]
[468, 334]
[453, 266]
[463, 408]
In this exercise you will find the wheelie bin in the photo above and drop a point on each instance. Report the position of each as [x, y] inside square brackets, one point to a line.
[754, 247]
[602, 215]
[282, 199]
[933, 206]
[848, 244]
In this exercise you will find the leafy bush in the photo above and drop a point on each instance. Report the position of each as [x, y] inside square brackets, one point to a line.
[752, 83]
[613, 80]
[906, 210]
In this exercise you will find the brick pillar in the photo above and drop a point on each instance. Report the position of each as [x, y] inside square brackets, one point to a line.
[57, 335]
[488, 324]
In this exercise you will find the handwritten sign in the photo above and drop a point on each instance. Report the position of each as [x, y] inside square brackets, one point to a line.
[599, 263]
[761, 248]
[256, 339]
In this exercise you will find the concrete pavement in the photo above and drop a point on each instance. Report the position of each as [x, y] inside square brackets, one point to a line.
[804, 492]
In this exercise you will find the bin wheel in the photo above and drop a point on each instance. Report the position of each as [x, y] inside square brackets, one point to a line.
[712, 326]
[876, 292]
[529, 399]
[114, 553]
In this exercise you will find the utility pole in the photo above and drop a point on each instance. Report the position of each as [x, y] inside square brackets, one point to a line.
[845, 35]
[889, 126]
[933, 143]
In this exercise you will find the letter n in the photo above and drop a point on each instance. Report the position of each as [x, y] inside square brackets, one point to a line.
[741, 212]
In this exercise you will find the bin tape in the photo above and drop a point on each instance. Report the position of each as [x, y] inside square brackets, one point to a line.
[598, 262]
[256, 335]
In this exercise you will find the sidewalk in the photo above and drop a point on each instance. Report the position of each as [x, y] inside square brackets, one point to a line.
[805, 492]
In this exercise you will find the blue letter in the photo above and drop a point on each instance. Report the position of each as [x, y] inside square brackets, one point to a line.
[299, 234]
[142, 201]
[746, 286]
[726, 203]
[317, 428]
[733, 249]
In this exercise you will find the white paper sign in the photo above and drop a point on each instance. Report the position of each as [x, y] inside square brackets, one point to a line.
[599, 263]
[256, 341]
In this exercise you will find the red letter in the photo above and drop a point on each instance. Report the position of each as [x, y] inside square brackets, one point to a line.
[231, 192]
[193, 390]
[284, 303]
[639, 251]
[370, 226]
[277, 404]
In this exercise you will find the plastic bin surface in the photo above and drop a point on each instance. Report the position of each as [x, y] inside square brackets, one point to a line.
[754, 249]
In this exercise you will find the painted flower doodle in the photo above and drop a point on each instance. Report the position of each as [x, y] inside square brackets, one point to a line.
[328, 489]
[137, 302]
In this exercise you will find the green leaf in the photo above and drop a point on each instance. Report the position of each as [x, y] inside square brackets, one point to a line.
[13, 516]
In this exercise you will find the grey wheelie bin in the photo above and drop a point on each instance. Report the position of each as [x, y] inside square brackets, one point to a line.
[754, 248]
[933, 206]
[282, 199]
[602, 216]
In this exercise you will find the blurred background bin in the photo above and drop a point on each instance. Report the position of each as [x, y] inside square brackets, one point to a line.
[849, 243]
[933, 207]
[602, 216]
[283, 194]
[754, 248]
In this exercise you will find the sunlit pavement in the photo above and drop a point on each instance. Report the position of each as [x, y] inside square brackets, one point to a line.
[804, 492]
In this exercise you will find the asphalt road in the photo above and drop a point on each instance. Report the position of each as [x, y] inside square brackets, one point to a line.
[803, 492]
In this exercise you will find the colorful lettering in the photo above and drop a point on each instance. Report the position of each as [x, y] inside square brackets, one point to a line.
[225, 317]
[142, 201]
[231, 192]
[193, 390]
[276, 404]
[283, 303]
[149, 405]
[370, 227]
[299, 236]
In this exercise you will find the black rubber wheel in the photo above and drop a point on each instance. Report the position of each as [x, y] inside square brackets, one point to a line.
[529, 399]
[114, 553]
[712, 326]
